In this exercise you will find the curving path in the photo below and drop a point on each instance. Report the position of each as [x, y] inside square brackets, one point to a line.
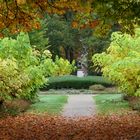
[79, 105]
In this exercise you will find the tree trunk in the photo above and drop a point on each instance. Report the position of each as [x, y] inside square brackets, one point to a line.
[1, 105]
[67, 52]
[71, 55]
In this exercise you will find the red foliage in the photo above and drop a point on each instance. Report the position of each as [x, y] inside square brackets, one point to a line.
[33, 127]
[94, 23]
[91, 24]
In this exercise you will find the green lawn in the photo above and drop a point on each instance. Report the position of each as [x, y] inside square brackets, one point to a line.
[111, 103]
[51, 104]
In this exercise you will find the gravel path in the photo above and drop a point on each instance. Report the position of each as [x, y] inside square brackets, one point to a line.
[79, 105]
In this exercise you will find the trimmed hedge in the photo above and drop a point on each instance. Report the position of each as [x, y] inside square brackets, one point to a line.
[75, 82]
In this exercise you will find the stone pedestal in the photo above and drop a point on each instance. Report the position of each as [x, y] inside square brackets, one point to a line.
[80, 73]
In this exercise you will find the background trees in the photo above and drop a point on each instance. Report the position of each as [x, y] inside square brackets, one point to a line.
[63, 39]
[38, 37]
[126, 13]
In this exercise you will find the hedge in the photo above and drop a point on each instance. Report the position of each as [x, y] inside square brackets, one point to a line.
[75, 82]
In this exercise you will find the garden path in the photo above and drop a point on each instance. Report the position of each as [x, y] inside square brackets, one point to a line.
[79, 105]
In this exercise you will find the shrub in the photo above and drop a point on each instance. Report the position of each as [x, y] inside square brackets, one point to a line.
[97, 87]
[14, 107]
[121, 62]
[23, 69]
[20, 70]
[75, 82]
[134, 102]
[58, 67]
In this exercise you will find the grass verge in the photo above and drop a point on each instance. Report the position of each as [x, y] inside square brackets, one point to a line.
[111, 103]
[51, 104]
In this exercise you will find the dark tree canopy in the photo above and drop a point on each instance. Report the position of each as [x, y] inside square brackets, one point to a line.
[124, 12]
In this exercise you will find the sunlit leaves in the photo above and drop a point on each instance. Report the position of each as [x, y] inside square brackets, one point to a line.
[121, 62]
[58, 67]
[21, 2]
[23, 70]
[20, 72]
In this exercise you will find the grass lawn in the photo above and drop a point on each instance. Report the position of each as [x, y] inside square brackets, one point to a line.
[111, 103]
[51, 104]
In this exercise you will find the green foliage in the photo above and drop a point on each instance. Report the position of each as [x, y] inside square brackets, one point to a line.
[58, 67]
[75, 82]
[97, 87]
[111, 103]
[63, 67]
[20, 70]
[126, 13]
[62, 37]
[121, 62]
[94, 43]
[23, 70]
[51, 104]
[38, 37]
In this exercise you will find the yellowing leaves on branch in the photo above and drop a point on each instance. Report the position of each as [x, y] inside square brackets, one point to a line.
[22, 15]
[17, 15]
[20, 2]
[121, 62]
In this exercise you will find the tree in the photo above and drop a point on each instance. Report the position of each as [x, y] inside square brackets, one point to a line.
[68, 42]
[120, 63]
[17, 15]
[63, 39]
[23, 70]
[20, 69]
[38, 37]
[124, 12]
[21, 14]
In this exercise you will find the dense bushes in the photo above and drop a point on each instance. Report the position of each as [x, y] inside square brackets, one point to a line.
[121, 62]
[75, 82]
[24, 69]
[58, 67]
[20, 70]
[32, 127]
[134, 102]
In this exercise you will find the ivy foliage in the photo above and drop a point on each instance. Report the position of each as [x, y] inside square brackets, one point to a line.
[121, 62]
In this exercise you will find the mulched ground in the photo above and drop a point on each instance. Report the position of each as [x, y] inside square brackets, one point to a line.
[33, 127]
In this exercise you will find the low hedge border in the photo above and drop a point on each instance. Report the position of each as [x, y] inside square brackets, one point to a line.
[75, 82]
